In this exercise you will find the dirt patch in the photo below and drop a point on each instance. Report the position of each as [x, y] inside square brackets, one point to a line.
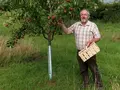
[35, 57]
[51, 82]
[116, 37]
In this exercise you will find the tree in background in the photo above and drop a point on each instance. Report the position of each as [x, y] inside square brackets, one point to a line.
[35, 17]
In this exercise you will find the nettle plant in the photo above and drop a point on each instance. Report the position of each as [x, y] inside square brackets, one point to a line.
[35, 17]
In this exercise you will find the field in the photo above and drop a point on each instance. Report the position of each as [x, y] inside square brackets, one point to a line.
[25, 67]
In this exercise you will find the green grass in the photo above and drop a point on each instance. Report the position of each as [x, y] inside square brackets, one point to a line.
[29, 71]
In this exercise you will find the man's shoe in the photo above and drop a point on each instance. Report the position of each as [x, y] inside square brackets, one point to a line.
[100, 88]
[86, 85]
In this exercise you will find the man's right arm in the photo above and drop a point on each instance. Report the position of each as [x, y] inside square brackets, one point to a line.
[65, 29]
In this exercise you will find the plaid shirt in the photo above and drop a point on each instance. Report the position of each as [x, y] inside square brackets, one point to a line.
[83, 34]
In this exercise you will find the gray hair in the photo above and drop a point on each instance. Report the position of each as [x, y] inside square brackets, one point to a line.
[87, 12]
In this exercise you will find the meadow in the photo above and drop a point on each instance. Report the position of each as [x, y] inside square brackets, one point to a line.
[25, 67]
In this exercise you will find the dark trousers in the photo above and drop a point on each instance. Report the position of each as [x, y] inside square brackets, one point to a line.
[91, 64]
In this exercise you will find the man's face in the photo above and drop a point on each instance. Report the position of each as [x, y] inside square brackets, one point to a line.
[84, 16]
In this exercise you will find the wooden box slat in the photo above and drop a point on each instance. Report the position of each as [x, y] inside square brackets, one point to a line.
[87, 53]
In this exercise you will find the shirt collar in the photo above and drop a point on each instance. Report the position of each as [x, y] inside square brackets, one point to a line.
[87, 24]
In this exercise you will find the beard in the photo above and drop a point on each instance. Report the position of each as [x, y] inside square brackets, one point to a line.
[84, 20]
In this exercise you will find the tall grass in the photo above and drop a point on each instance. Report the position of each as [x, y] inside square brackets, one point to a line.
[18, 53]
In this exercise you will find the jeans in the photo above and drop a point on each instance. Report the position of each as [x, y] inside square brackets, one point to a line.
[91, 64]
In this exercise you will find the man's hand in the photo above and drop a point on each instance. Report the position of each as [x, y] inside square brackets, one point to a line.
[62, 25]
[60, 22]
[91, 41]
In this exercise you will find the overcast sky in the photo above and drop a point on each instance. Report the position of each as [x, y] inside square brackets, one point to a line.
[109, 1]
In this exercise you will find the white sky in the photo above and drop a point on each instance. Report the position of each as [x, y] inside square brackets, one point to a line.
[109, 1]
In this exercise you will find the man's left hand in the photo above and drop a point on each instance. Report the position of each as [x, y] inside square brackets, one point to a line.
[89, 43]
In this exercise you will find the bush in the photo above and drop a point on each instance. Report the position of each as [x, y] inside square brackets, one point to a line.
[107, 12]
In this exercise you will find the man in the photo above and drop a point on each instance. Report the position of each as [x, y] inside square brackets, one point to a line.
[85, 33]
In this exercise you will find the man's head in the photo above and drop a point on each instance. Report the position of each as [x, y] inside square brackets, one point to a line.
[84, 15]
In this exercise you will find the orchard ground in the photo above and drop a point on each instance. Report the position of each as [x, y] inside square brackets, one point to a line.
[25, 66]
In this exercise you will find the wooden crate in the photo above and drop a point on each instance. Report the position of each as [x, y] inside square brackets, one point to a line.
[88, 52]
